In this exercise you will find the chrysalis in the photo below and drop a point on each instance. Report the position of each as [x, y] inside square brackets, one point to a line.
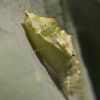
[56, 49]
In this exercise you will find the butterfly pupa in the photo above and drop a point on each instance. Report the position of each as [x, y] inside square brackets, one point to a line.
[55, 47]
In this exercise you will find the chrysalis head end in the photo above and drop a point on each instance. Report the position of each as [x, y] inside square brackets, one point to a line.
[26, 12]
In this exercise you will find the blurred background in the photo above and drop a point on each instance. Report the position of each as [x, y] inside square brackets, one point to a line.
[86, 15]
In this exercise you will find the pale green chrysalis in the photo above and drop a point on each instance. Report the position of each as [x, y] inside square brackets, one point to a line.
[56, 49]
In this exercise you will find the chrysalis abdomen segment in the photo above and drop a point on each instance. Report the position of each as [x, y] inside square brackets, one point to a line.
[70, 80]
